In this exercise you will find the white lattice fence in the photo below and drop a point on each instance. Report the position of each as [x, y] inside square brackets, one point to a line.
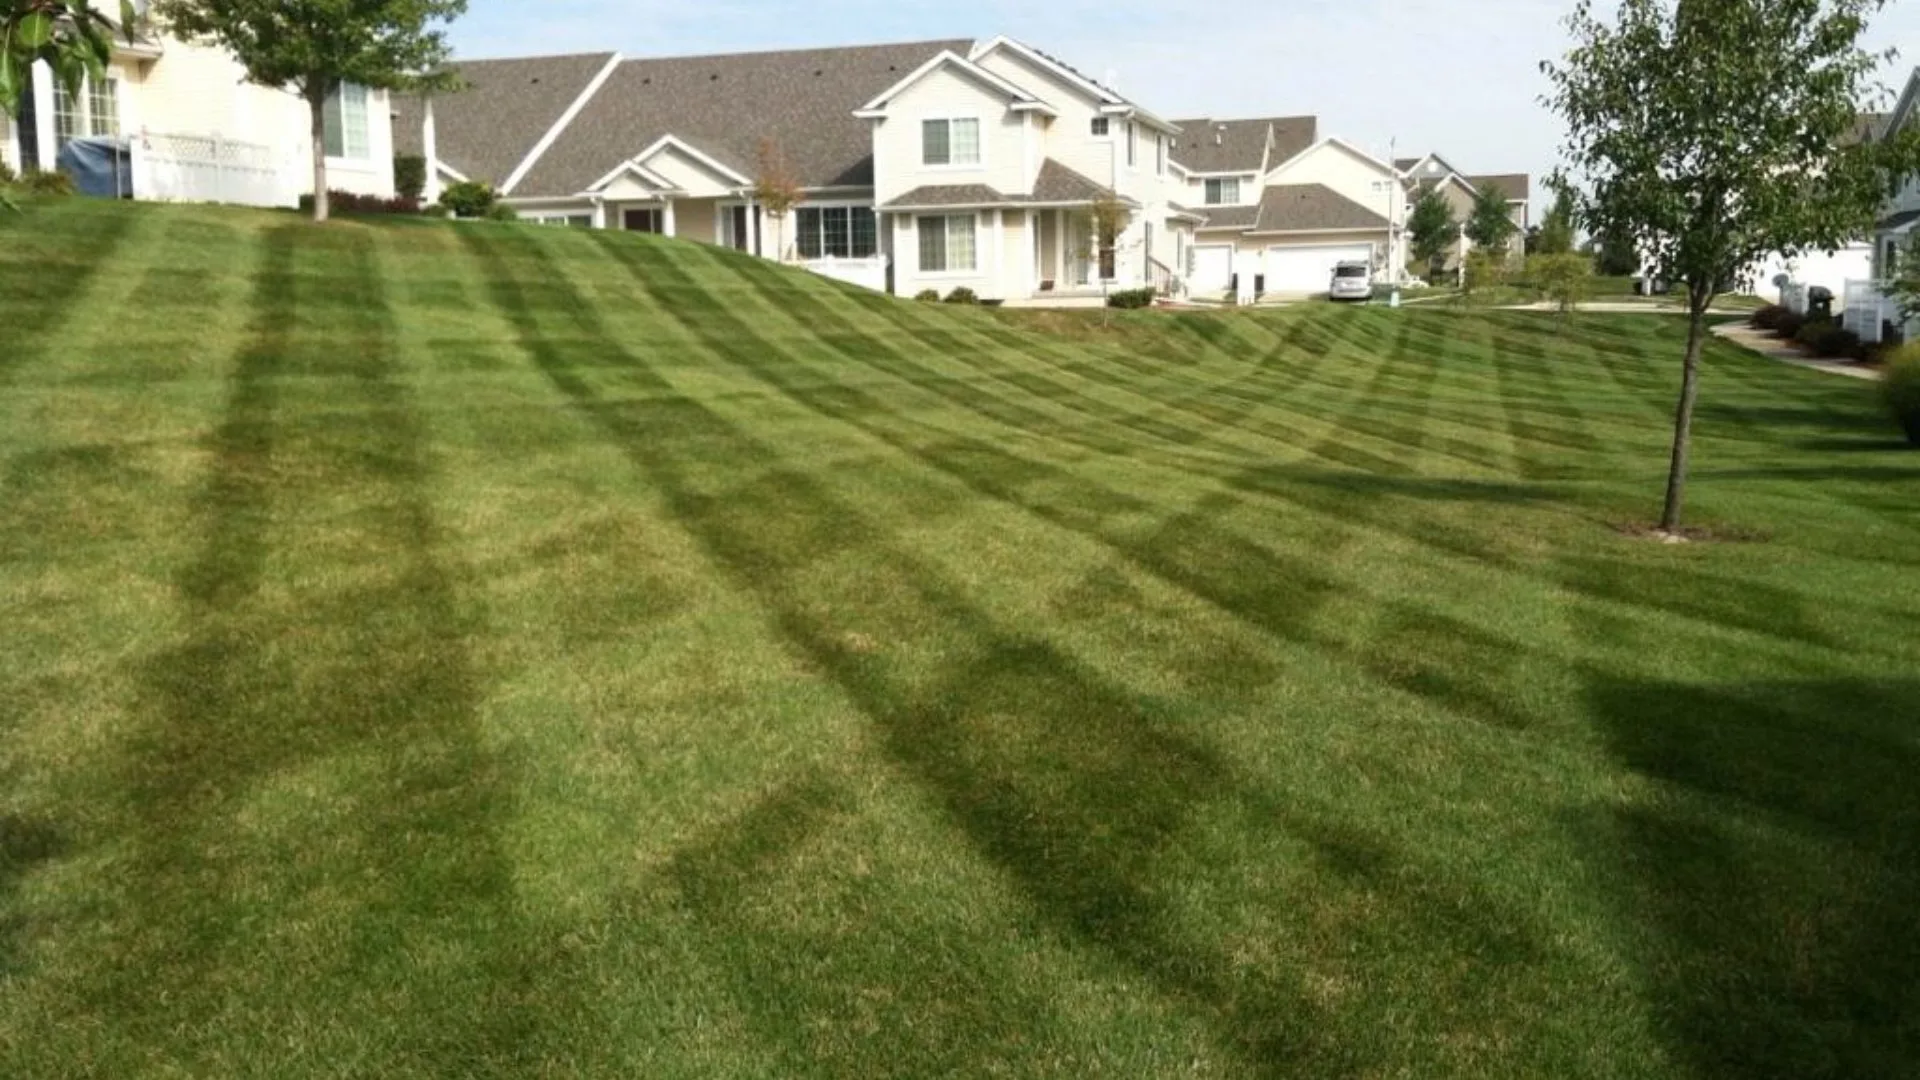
[170, 167]
[1869, 309]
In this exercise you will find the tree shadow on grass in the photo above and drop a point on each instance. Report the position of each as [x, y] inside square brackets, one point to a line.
[1770, 878]
[25, 844]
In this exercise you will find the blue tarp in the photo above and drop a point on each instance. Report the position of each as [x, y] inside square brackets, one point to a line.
[99, 167]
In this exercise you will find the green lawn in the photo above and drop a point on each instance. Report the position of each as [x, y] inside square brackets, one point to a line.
[502, 651]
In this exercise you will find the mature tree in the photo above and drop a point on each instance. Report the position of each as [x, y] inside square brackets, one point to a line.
[1616, 253]
[72, 38]
[1432, 230]
[314, 47]
[1491, 226]
[1556, 232]
[777, 189]
[1715, 132]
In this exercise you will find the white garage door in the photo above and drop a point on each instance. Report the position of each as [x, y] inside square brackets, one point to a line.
[1309, 269]
[1212, 267]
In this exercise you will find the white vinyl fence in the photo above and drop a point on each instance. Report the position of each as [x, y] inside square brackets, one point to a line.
[1869, 309]
[170, 167]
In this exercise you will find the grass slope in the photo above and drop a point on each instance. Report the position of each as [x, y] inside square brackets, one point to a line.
[497, 651]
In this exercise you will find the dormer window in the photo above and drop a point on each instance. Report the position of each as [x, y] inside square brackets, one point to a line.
[1223, 192]
[1101, 127]
[950, 142]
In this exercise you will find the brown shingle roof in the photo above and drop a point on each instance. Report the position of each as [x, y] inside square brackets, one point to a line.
[486, 130]
[1515, 186]
[1309, 207]
[1059, 184]
[724, 105]
[1206, 146]
[1055, 184]
[937, 196]
[1230, 217]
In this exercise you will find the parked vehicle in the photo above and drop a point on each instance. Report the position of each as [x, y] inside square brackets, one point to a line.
[1351, 281]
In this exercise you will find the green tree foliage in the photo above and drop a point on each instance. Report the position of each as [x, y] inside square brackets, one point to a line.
[1556, 232]
[72, 38]
[311, 47]
[1491, 226]
[410, 176]
[1903, 284]
[1711, 133]
[1565, 278]
[1432, 230]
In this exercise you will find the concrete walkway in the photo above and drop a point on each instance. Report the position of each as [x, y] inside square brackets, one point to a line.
[1774, 349]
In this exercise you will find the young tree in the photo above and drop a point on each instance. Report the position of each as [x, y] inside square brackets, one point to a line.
[72, 38]
[313, 47]
[777, 189]
[1431, 231]
[1491, 226]
[1564, 278]
[1103, 223]
[1714, 132]
[1556, 232]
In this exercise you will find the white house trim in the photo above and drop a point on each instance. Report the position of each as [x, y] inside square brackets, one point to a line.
[877, 108]
[1903, 109]
[675, 142]
[1033, 56]
[566, 118]
[639, 172]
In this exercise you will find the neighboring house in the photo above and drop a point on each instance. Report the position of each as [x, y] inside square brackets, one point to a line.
[197, 130]
[934, 164]
[1461, 191]
[1900, 216]
[1283, 206]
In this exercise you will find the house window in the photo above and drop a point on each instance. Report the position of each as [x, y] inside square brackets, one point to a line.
[346, 122]
[836, 232]
[950, 142]
[94, 113]
[1101, 127]
[1133, 144]
[576, 221]
[647, 220]
[1224, 192]
[946, 244]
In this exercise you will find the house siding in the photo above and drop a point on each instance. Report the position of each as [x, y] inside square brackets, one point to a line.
[1342, 170]
[947, 93]
[698, 180]
[1068, 137]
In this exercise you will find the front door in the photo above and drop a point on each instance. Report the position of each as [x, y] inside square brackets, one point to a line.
[739, 233]
[648, 221]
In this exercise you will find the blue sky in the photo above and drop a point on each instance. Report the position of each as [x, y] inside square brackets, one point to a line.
[1458, 76]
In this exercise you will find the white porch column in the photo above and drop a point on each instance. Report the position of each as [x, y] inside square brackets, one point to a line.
[45, 135]
[430, 144]
[599, 212]
[667, 225]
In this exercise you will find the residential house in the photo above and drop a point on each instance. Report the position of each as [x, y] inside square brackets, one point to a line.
[1900, 217]
[925, 165]
[1462, 192]
[197, 130]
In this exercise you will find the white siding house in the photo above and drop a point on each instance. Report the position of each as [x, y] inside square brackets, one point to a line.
[198, 131]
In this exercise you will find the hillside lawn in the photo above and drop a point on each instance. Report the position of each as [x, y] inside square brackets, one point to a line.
[496, 650]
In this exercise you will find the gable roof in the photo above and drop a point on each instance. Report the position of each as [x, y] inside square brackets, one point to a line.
[1214, 146]
[1237, 218]
[1056, 185]
[1018, 95]
[724, 105]
[487, 130]
[1517, 187]
[1903, 109]
[1310, 208]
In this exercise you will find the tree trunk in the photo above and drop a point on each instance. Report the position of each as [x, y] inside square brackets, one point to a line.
[318, 109]
[1699, 299]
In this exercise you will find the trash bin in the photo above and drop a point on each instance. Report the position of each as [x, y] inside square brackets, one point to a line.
[1819, 304]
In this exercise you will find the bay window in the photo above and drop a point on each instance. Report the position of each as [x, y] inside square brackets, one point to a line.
[950, 142]
[836, 232]
[947, 244]
[346, 122]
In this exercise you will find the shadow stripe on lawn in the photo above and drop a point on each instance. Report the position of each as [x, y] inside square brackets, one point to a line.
[57, 249]
[987, 734]
[304, 671]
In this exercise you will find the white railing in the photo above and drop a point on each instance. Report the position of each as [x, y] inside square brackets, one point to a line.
[869, 272]
[1868, 310]
[173, 167]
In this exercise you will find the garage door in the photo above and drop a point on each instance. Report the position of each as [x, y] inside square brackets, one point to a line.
[1309, 269]
[1212, 267]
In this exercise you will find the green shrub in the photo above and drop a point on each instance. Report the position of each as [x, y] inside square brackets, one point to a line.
[468, 199]
[1810, 330]
[928, 296]
[410, 176]
[502, 212]
[1788, 326]
[962, 295]
[1767, 317]
[1131, 299]
[7, 176]
[43, 182]
[1902, 389]
[1831, 341]
[436, 210]
[1566, 279]
[348, 202]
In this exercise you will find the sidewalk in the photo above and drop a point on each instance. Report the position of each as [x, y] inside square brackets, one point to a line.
[1773, 348]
